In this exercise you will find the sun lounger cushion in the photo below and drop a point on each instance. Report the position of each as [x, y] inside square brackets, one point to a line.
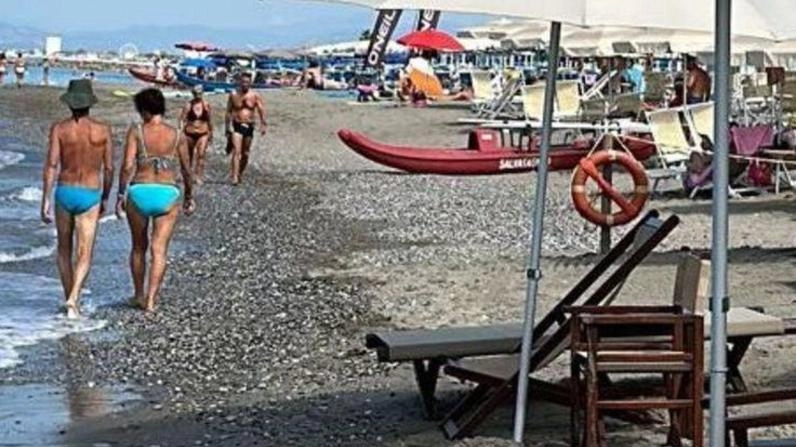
[744, 322]
[445, 342]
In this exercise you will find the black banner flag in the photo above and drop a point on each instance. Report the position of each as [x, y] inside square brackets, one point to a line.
[427, 19]
[380, 37]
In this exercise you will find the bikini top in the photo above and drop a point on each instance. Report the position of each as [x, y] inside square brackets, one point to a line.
[161, 162]
[193, 116]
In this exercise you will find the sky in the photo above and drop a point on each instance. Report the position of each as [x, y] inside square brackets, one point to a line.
[309, 18]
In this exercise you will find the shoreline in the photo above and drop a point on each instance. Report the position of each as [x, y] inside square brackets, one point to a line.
[259, 337]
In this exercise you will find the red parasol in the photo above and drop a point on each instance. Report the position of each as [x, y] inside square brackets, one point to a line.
[431, 39]
[196, 46]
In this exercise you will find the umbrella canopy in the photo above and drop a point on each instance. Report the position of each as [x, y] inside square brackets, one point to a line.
[426, 83]
[198, 62]
[770, 19]
[597, 41]
[196, 46]
[431, 39]
[279, 54]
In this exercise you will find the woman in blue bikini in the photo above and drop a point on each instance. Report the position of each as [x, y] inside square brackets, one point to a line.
[152, 153]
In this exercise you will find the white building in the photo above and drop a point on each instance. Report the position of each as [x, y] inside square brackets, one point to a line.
[52, 45]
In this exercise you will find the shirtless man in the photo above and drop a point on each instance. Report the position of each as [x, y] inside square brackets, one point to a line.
[80, 155]
[698, 82]
[19, 69]
[239, 124]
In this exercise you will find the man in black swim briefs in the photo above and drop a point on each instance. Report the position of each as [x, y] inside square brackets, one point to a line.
[239, 123]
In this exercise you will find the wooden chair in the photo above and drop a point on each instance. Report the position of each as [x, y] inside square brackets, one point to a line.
[629, 341]
[497, 376]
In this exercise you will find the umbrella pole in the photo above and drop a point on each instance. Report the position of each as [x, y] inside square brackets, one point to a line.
[719, 302]
[534, 273]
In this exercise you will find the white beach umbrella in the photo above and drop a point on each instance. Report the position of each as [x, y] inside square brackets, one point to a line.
[771, 19]
[758, 18]
[597, 41]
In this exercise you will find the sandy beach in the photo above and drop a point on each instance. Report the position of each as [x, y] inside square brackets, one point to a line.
[260, 336]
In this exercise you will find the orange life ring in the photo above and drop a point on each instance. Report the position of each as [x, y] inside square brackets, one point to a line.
[590, 167]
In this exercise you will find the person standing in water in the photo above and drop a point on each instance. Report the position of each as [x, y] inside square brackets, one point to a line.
[197, 124]
[45, 72]
[153, 152]
[19, 69]
[80, 156]
[2, 67]
[239, 123]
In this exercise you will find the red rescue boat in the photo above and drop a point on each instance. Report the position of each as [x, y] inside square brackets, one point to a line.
[484, 155]
[146, 75]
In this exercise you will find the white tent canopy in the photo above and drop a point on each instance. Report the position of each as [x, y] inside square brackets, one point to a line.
[755, 18]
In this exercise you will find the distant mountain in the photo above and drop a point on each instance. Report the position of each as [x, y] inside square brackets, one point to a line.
[148, 38]
[12, 36]
[291, 32]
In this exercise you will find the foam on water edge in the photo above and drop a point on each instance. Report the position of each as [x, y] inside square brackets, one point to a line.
[27, 194]
[33, 312]
[33, 253]
[8, 158]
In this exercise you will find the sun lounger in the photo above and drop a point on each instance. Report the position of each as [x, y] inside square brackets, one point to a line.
[568, 99]
[482, 86]
[431, 349]
[551, 334]
[673, 146]
[501, 105]
[495, 376]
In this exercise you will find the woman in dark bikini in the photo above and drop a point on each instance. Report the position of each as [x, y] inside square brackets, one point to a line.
[197, 124]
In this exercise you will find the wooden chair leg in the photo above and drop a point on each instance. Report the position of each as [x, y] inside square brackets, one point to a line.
[592, 416]
[741, 437]
[575, 401]
[426, 375]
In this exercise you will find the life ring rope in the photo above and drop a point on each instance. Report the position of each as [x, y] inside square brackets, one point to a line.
[607, 189]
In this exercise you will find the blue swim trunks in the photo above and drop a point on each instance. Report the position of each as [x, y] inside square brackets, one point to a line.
[76, 199]
[153, 199]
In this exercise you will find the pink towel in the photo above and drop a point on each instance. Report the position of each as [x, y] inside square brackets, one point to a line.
[748, 140]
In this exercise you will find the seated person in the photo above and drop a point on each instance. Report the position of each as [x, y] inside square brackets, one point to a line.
[366, 90]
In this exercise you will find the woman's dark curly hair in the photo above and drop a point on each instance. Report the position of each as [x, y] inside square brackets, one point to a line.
[150, 101]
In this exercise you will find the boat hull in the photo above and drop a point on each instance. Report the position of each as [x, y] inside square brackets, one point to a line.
[142, 74]
[479, 160]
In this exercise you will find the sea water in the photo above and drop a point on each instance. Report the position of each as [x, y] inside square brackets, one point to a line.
[31, 296]
[60, 77]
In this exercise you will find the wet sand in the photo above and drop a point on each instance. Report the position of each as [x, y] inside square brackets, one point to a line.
[259, 340]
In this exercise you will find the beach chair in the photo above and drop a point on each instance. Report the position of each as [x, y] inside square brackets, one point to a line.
[431, 350]
[497, 376]
[482, 86]
[501, 105]
[746, 143]
[568, 98]
[673, 148]
[743, 326]
[533, 101]
[595, 91]
[636, 341]
[657, 85]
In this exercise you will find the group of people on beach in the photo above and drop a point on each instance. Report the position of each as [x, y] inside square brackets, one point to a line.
[79, 171]
[19, 68]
